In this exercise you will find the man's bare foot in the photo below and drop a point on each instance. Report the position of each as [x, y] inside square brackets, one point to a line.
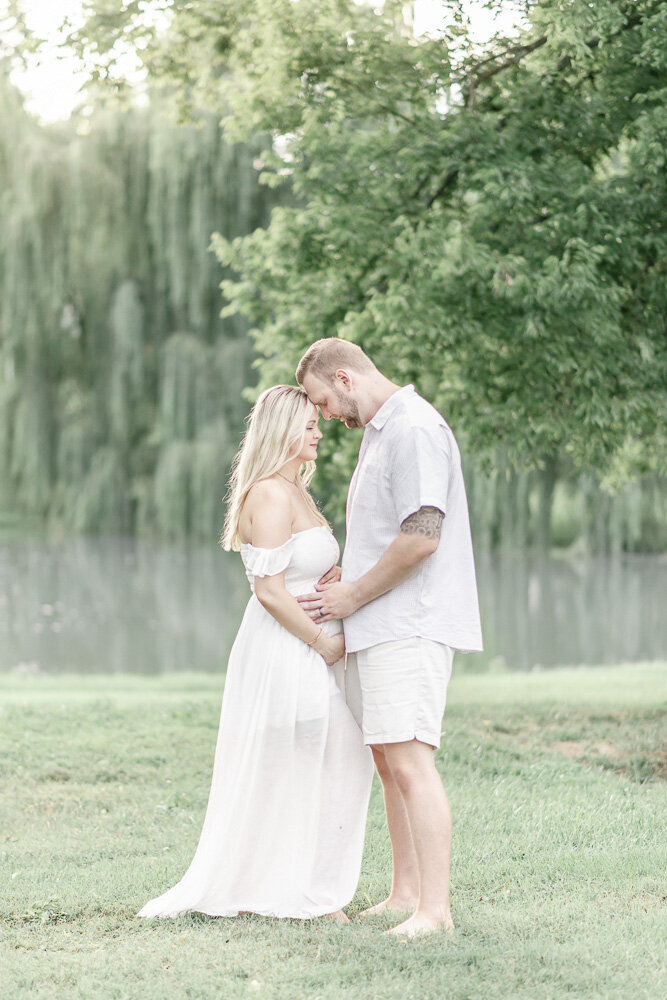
[423, 923]
[338, 917]
[390, 905]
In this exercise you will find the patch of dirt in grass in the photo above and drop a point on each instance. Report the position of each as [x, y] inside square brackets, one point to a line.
[575, 748]
[631, 746]
[649, 765]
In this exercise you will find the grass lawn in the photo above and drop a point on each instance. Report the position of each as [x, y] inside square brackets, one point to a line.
[556, 782]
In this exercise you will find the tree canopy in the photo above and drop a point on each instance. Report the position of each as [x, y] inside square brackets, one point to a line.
[489, 225]
[486, 223]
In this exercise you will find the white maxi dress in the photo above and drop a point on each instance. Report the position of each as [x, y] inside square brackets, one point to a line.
[284, 828]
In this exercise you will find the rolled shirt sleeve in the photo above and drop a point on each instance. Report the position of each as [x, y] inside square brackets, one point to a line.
[420, 471]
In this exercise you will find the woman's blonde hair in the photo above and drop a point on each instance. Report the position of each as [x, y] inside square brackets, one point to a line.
[276, 432]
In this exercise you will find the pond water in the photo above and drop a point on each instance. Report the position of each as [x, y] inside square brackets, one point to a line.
[108, 605]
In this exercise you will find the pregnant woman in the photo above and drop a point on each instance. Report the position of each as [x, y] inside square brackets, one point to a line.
[284, 827]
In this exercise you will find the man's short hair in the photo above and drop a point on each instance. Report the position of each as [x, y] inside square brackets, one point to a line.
[326, 356]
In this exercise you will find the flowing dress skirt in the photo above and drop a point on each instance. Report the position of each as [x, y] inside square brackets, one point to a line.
[284, 828]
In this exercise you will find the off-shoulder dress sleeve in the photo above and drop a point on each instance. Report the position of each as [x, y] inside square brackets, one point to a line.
[266, 562]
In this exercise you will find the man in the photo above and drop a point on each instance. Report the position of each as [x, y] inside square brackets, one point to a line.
[408, 598]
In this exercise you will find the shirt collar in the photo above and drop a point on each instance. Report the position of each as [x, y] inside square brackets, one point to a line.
[389, 407]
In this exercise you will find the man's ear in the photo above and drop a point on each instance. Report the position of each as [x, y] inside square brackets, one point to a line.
[343, 377]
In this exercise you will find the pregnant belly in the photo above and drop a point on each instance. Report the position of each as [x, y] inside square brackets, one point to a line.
[299, 587]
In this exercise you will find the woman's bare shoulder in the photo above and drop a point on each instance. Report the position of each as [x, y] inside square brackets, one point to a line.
[269, 491]
[267, 501]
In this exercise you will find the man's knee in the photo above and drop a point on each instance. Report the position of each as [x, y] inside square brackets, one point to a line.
[410, 764]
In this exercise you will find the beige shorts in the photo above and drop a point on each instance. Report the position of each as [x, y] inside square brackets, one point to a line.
[397, 690]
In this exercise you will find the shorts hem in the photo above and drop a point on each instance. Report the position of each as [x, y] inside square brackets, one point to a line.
[422, 735]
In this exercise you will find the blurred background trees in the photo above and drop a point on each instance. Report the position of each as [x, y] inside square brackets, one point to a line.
[489, 225]
[120, 392]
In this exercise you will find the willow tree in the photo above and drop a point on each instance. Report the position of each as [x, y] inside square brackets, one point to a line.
[31, 267]
[120, 384]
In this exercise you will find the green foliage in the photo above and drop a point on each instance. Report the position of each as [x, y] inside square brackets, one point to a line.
[172, 488]
[126, 381]
[489, 225]
[31, 458]
[100, 503]
[514, 509]
[105, 227]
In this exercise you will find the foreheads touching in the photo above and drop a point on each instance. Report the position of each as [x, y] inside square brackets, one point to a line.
[328, 372]
[325, 357]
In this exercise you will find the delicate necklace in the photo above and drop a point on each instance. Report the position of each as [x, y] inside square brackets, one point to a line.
[292, 481]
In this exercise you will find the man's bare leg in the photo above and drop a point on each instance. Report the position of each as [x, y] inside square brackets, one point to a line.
[412, 766]
[404, 894]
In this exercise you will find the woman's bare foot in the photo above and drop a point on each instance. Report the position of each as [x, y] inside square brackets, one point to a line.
[338, 917]
[390, 905]
[423, 923]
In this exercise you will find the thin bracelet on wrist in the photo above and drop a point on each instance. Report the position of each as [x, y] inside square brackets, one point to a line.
[313, 641]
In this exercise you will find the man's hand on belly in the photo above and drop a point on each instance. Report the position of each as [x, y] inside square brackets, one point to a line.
[340, 599]
[418, 538]
[333, 600]
[312, 603]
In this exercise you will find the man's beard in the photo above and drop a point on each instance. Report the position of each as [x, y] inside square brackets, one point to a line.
[349, 410]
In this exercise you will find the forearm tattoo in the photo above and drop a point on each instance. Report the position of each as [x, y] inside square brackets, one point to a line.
[427, 522]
